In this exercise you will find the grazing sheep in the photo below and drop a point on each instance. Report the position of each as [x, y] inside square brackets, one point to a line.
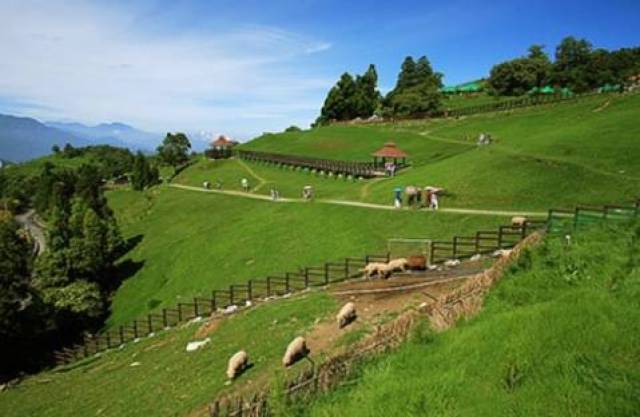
[346, 315]
[373, 268]
[399, 264]
[237, 363]
[418, 263]
[452, 262]
[500, 253]
[296, 350]
[518, 221]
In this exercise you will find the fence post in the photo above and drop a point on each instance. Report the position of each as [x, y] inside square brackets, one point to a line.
[149, 323]
[287, 285]
[455, 247]
[179, 312]
[231, 297]
[524, 229]
[306, 276]
[121, 331]
[164, 318]
[214, 304]
[346, 268]
[250, 290]
[500, 237]
[196, 310]
[268, 286]
[109, 340]
[326, 273]
[135, 329]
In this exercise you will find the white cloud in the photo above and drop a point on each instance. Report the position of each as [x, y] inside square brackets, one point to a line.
[95, 63]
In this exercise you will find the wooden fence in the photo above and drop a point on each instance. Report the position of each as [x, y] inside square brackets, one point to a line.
[459, 247]
[353, 168]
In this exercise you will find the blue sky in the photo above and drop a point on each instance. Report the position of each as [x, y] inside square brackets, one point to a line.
[244, 67]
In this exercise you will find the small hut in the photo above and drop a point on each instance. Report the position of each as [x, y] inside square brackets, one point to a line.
[389, 152]
[221, 147]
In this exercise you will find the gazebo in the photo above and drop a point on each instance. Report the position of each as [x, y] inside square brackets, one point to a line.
[221, 147]
[389, 152]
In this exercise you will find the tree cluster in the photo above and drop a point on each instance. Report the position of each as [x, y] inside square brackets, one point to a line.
[417, 91]
[51, 300]
[351, 98]
[143, 173]
[174, 150]
[577, 66]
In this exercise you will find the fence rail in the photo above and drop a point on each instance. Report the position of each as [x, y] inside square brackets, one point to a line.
[353, 168]
[459, 247]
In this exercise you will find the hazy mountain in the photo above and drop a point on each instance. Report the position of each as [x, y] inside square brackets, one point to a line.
[116, 134]
[23, 138]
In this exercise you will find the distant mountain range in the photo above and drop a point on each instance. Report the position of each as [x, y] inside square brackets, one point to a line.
[115, 134]
[24, 138]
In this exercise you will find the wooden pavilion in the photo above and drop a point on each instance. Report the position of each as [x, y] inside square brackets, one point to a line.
[389, 152]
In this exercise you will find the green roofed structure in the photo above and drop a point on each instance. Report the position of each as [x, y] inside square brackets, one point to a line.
[470, 87]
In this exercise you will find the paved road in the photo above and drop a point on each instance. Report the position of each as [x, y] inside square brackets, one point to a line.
[27, 221]
[506, 213]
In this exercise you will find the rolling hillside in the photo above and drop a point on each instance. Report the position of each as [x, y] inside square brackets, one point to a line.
[561, 154]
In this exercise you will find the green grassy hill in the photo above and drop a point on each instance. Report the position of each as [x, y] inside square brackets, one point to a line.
[157, 377]
[192, 242]
[559, 154]
[557, 337]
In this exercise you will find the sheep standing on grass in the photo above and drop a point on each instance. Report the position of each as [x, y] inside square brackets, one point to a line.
[237, 363]
[346, 315]
[518, 221]
[296, 350]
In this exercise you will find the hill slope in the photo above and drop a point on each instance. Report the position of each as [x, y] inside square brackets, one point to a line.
[560, 154]
[558, 336]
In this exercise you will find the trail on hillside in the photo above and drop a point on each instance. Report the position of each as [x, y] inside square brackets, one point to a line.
[556, 160]
[261, 181]
[373, 206]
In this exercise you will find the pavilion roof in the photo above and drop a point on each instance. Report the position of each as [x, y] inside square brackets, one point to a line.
[390, 150]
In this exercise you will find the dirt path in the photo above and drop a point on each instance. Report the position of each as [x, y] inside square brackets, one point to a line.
[261, 181]
[482, 212]
[27, 221]
[513, 152]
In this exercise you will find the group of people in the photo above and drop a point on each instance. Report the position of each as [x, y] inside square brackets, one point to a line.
[390, 169]
[416, 197]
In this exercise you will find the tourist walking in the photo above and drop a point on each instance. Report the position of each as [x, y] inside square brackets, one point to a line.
[245, 185]
[397, 197]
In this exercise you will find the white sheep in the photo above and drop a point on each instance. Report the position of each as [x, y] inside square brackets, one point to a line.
[518, 221]
[346, 315]
[451, 263]
[237, 363]
[296, 350]
[373, 268]
[399, 264]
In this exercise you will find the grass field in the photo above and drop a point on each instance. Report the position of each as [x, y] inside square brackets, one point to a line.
[583, 152]
[167, 381]
[194, 242]
[559, 336]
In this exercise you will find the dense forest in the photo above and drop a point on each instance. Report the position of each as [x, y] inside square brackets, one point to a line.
[50, 300]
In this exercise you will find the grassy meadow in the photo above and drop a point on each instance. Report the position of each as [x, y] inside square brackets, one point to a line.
[563, 154]
[192, 242]
[157, 377]
[557, 337]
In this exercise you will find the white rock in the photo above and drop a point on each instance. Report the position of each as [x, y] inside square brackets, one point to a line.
[475, 257]
[248, 303]
[136, 340]
[193, 346]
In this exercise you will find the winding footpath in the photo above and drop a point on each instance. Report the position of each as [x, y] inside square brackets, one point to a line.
[506, 213]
